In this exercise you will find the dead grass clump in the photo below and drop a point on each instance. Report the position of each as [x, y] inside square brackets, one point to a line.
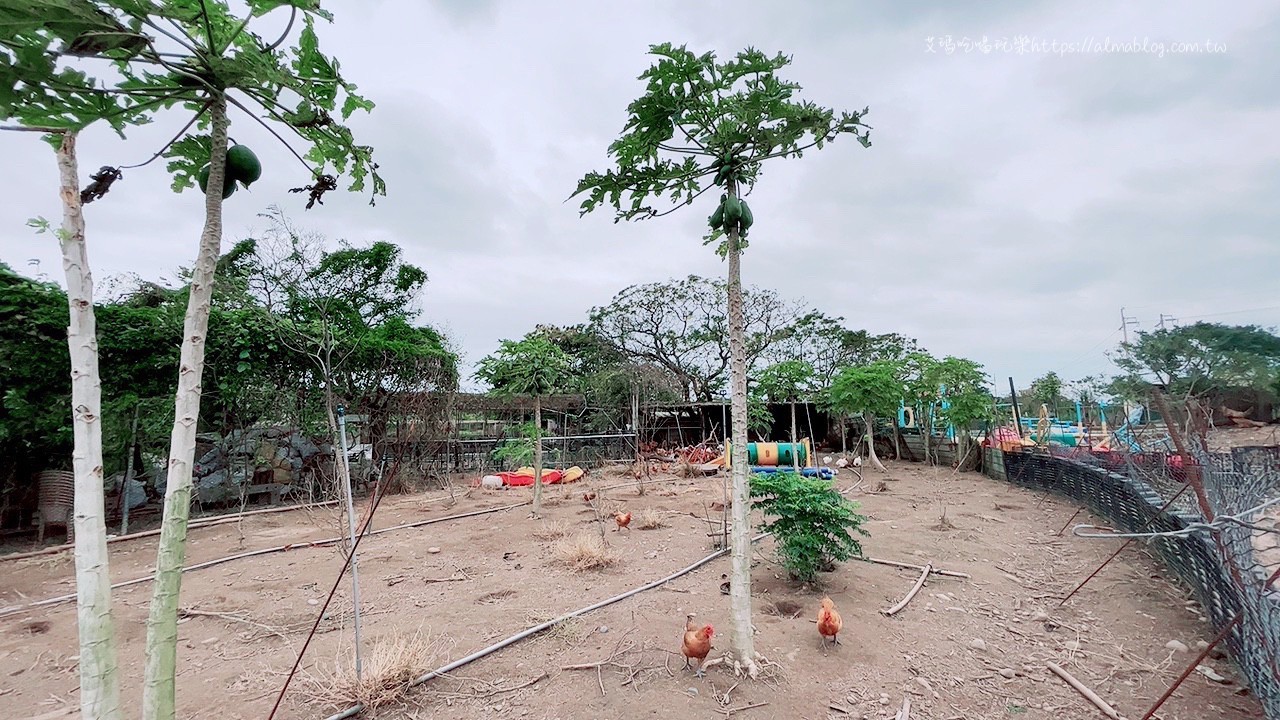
[650, 519]
[585, 552]
[389, 665]
[553, 530]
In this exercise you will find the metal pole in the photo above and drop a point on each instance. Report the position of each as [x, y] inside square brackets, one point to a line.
[1013, 398]
[351, 526]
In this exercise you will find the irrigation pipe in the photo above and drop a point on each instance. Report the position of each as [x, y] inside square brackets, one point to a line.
[5, 612]
[148, 533]
[359, 707]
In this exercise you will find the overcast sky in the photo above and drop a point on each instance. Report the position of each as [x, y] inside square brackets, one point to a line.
[1012, 202]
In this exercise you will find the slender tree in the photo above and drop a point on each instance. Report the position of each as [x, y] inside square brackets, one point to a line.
[698, 120]
[867, 391]
[788, 381]
[202, 57]
[533, 366]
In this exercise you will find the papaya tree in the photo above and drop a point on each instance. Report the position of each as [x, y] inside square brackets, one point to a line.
[963, 385]
[787, 382]
[203, 58]
[533, 366]
[703, 124]
[867, 391]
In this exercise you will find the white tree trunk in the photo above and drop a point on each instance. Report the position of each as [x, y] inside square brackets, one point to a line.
[537, 454]
[740, 632]
[99, 681]
[869, 420]
[158, 697]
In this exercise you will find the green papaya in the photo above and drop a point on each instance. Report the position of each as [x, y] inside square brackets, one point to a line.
[243, 165]
[228, 183]
[717, 218]
[747, 217]
[732, 211]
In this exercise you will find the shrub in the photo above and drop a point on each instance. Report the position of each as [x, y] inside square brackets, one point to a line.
[812, 522]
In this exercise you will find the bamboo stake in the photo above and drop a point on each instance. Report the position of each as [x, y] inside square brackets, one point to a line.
[1088, 694]
[915, 589]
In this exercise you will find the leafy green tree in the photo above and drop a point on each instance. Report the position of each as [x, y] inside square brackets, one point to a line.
[1195, 361]
[699, 119]
[202, 57]
[348, 312]
[964, 386]
[826, 344]
[1046, 390]
[788, 382]
[813, 523]
[680, 326]
[867, 391]
[533, 366]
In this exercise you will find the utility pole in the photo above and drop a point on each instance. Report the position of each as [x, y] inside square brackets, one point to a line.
[1125, 322]
[1164, 317]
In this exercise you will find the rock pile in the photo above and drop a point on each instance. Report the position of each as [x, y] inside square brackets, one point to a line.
[258, 456]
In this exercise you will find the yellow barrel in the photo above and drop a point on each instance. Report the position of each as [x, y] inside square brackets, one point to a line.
[766, 454]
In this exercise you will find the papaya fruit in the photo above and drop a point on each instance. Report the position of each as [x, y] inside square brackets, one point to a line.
[228, 183]
[717, 218]
[243, 165]
[747, 217]
[732, 211]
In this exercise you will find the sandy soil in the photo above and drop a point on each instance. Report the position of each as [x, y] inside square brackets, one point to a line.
[973, 649]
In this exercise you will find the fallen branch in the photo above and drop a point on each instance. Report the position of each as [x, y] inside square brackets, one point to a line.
[192, 612]
[731, 711]
[358, 707]
[149, 533]
[5, 612]
[1088, 694]
[909, 566]
[915, 589]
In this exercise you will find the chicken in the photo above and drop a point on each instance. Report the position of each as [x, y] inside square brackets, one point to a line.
[623, 519]
[696, 644]
[829, 621]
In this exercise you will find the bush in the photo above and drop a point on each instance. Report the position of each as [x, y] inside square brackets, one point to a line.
[812, 522]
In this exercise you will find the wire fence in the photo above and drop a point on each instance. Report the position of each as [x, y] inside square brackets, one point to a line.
[1233, 569]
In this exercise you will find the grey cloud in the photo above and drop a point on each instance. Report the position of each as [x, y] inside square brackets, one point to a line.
[1009, 205]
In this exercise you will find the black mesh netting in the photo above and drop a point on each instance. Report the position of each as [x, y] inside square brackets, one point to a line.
[1228, 574]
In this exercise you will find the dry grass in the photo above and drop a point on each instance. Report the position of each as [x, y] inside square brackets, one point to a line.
[650, 519]
[389, 665]
[585, 552]
[553, 530]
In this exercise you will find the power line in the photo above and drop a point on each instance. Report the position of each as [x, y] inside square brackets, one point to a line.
[1231, 312]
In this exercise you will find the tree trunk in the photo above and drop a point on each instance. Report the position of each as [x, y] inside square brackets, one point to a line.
[795, 451]
[740, 634]
[158, 698]
[869, 420]
[99, 681]
[537, 455]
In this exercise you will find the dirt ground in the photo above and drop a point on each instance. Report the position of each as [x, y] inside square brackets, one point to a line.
[963, 648]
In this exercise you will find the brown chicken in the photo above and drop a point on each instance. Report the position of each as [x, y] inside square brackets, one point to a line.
[623, 519]
[829, 622]
[696, 644]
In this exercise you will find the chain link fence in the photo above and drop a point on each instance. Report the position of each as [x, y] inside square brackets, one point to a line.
[1232, 569]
